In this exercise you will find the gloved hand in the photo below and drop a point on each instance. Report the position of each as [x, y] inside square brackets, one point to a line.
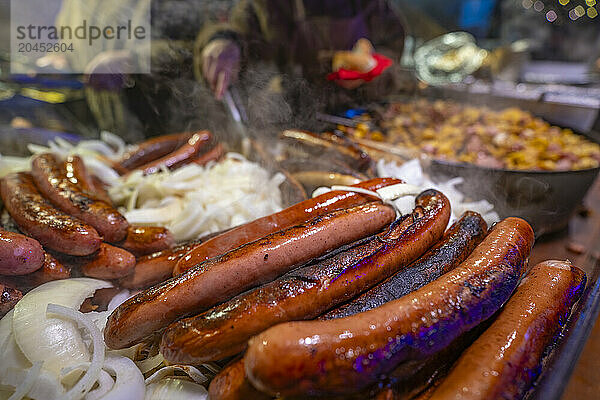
[106, 70]
[220, 61]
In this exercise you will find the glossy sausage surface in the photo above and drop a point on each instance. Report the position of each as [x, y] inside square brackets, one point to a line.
[156, 267]
[64, 191]
[308, 292]
[506, 358]
[348, 354]
[144, 240]
[37, 218]
[231, 384]
[184, 154]
[19, 254]
[109, 263]
[153, 149]
[223, 277]
[78, 174]
[214, 154]
[458, 242]
[294, 215]
[51, 270]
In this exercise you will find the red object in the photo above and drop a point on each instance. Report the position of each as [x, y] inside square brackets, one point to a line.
[345, 74]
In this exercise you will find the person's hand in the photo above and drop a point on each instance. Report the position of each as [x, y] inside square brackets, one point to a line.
[350, 84]
[220, 65]
[106, 71]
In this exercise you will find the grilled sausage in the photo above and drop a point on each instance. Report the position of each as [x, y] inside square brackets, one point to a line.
[153, 149]
[37, 218]
[77, 174]
[143, 240]
[458, 242]
[223, 277]
[156, 267]
[180, 156]
[9, 297]
[51, 270]
[231, 384]
[506, 358]
[306, 293]
[294, 215]
[19, 254]
[214, 154]
[54, 183]
[348, 354]
[109, 263]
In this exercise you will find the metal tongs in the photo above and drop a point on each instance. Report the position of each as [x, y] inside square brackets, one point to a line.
[234, 105]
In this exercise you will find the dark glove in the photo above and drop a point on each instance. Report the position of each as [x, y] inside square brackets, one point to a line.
[220, 61]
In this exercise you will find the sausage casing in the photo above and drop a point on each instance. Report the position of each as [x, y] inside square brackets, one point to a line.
[294, 215]
[19, 254]
[221, 278]
[506, 358]
[153, 149]
[348, 354]
[306, 293]
[458, 242]
[58, 185]
[180, 156]
[144, 240]
[37, 218]
[109, 263]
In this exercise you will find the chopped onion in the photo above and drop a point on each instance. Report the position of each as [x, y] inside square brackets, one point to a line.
[105, 384]
[25, 386]
[55, 341]
[129, 381]
[115, 141]
[175, 389]
[91, 375]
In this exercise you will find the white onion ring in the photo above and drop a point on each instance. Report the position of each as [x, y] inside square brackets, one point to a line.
[25, 386]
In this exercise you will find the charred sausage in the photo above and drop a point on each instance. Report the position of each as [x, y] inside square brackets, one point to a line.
[348, 354]
[180, 156]
[156, 267]
[55, 184]
[306, 293]
[506, 358]
[223, 277]
[153, 149]
[143, 240]
[19, 254]
[458, 242]
[109, 263]
[37, 218]
[294, 215]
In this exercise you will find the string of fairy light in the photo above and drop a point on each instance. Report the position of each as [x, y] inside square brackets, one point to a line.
[559, 11]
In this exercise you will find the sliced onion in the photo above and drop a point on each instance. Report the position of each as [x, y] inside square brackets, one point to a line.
[150, 363]
[105, 384]
[175, 389]
[129, 381]
[115, 141]
[118, 299]
[25, 386]
[91, 375]
[170, 370]
[55, 341]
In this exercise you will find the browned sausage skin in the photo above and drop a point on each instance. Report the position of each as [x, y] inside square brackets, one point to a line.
[294, 215]
[156, 267]
[109, 263]
[505, 359]
[231, 384]
[348, 354]
[214, 154]
[19, 254]
[144, 240]
[54, 183]
[77, 174]
[37, 218]
[223, 277]
[309, 291]
[51, 270]
[153, 149]
[183, 155]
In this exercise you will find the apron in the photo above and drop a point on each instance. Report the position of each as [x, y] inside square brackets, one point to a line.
[316, 38]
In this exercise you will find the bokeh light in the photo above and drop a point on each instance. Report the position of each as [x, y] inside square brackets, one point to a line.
[527, 4]
[551, 16]
[592, 12]
[538, 6]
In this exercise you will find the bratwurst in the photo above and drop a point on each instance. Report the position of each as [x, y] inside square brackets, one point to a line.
[308, 292]
[221, 278]
[349, 354]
